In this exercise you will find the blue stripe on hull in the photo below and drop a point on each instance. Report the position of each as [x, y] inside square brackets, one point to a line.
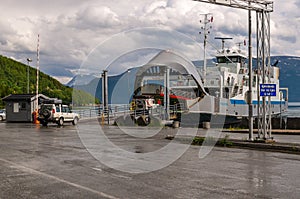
[239, 102]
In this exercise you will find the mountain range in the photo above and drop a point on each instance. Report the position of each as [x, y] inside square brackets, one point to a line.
[289, 78]
[13, 80]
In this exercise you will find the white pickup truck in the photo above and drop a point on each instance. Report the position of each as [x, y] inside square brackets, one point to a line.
[56, 113]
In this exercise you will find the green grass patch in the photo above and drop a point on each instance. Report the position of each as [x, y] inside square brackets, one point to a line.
[224, 142]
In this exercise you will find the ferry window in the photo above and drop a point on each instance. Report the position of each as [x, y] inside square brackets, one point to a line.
[234, 59]
[221, 60]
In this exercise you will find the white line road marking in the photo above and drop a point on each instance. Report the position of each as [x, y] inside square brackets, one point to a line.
[32, 171]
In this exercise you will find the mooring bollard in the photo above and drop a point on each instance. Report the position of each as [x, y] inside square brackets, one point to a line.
[206, 125]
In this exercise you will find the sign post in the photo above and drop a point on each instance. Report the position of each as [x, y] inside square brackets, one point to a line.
[267, 90]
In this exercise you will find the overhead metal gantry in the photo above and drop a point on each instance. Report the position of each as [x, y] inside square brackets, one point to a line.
[254, 5]
[262, 9]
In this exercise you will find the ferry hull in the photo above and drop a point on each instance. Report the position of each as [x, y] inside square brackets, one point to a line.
[197, 120]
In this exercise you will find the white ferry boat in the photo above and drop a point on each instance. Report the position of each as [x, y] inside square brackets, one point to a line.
[227, 83]
[222, 92]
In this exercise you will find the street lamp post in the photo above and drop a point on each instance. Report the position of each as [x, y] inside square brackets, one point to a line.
[28, 61]
[128, 84]
[250, 104]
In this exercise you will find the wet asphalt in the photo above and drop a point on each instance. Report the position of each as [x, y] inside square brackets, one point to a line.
[55, 162]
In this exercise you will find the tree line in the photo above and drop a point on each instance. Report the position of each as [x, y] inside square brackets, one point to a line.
[13, 80]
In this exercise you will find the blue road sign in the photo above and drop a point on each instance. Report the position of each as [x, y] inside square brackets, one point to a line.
[267, 90]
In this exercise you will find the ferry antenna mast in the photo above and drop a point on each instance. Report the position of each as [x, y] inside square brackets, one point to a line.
[207, 19]
[263, 9]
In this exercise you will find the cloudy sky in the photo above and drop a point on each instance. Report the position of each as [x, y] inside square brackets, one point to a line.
[71, 31]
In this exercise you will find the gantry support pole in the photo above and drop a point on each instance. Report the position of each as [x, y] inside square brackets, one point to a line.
[263, 9]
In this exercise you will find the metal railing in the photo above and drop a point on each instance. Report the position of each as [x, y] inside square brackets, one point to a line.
[117, 110]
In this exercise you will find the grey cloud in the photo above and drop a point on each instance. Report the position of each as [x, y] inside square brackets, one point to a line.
[95, 17]
[70, 29]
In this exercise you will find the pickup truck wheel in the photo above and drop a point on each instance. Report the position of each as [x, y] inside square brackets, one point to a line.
[44, 123]
[147, 120]
[75, 121]
[60, 121]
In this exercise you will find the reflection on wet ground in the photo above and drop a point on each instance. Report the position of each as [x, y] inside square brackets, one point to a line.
[52, 162]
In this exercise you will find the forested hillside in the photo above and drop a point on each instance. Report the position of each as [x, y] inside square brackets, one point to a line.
[13, 80]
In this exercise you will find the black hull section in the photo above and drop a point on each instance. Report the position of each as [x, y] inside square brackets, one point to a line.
[196, 120]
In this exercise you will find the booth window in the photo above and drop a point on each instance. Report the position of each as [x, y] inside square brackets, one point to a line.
[23, 106]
